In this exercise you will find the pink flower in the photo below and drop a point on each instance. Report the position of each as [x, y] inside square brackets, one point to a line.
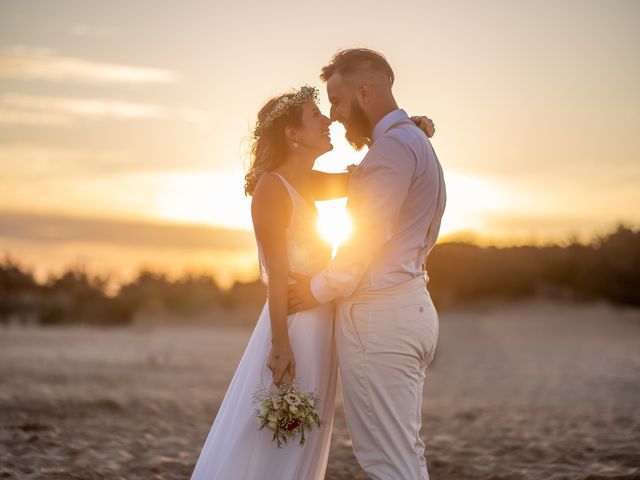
[292, 399]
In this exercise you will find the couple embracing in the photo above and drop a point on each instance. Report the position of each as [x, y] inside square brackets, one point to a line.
[366, 312]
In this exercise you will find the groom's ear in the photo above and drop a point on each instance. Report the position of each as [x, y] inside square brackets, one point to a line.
[364, 93]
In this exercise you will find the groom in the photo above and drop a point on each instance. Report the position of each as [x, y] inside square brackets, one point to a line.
[386, 324]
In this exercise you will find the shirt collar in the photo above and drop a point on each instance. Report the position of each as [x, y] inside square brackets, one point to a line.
[387, 121]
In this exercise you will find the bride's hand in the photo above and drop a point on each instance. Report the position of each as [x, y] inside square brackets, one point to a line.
[281, 362]
[425, 124]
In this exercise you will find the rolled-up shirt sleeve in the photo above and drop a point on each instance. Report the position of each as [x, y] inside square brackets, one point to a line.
[377, 189]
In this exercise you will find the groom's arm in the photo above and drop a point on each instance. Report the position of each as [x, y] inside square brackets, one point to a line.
[377, 190]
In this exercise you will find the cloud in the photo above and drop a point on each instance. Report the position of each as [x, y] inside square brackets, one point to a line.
[26, 62]
[18, 109]
[15, 117]
[56, 111]
[84, 30]
[44, 228]
[32, 162]
[198, 118]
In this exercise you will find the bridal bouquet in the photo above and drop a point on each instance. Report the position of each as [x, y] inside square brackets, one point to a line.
[286, 411]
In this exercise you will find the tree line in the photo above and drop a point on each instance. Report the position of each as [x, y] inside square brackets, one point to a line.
[606, 268]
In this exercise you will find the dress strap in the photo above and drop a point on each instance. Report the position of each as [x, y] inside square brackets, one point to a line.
[287, 185]
[293, 192]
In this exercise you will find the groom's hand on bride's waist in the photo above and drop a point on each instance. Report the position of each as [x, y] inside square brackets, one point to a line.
[300, 296]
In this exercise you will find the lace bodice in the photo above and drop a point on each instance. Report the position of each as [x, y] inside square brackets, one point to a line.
[308, 254]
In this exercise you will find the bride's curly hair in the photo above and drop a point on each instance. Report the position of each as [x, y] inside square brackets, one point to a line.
[269, 145]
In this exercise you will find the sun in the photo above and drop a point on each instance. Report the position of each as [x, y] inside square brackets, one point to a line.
[334, 223]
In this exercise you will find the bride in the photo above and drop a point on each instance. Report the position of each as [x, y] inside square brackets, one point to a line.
[290, 134]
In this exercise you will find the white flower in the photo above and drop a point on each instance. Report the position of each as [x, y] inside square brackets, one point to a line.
[292, 399]
[283, 105]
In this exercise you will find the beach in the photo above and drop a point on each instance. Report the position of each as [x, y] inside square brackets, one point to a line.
[536, 389]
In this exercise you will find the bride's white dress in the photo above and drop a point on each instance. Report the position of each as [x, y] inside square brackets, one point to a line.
[235, 448]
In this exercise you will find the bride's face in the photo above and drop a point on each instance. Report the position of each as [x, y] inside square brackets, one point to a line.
[314, 133]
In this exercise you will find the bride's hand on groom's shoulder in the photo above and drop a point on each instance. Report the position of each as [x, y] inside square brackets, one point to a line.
[425, 124]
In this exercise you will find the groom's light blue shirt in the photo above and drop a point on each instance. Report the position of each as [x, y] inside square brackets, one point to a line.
[396, 200]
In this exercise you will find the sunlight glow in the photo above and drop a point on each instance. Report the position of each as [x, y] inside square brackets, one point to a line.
[472, 198]
[334, 223]
[211, 198]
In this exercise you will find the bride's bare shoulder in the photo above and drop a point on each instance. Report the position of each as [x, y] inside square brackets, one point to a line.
[269, 188]
[270, 197]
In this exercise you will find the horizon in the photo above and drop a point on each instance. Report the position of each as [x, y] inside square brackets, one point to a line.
[121, 249]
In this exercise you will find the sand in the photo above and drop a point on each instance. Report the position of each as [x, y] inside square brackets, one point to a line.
[531, 390]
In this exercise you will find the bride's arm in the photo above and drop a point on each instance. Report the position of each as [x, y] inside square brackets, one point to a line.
[327, 186]
[425, 124]
[270, 211]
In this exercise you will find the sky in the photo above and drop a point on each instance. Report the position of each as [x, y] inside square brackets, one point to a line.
[125, 121]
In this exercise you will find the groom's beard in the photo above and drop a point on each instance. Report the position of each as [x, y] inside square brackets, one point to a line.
[358, 127]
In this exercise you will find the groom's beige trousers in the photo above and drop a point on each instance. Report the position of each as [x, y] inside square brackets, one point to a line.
[385, 340]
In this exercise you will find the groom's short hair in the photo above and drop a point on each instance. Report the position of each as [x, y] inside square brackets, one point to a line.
[354, 60]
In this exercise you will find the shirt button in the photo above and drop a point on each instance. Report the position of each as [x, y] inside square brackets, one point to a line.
[422, 309]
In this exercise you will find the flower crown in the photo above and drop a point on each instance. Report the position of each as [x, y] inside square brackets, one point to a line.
[285, 104]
